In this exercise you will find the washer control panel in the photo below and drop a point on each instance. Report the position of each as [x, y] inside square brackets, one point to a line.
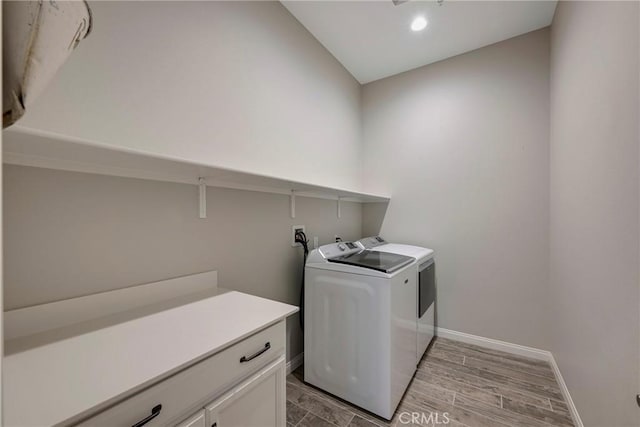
[338, 249]
[371, 242]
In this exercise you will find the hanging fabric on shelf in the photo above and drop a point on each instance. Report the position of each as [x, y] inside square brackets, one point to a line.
[38, 37]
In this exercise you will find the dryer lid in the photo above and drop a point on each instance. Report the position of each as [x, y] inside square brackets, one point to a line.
[379, 261]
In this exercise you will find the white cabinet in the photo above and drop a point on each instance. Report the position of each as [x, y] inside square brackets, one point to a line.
[197, 420]
[259, 401]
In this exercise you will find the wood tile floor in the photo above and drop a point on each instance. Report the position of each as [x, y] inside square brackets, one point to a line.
[476, 387]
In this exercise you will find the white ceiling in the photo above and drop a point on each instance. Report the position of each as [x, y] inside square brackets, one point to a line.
[372, 39]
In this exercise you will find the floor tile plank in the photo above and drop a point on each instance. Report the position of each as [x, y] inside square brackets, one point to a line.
[540, 368]
[358, 421]
[321, 407]
[488, 386]
[421, 388]
[311, 420]
[546, 415]
[447, 355]
[489, 351]
[459, 387]
[294, 413]
[507, 417]
[408, 415]
[545, 391]
[559, 406]
[460, 414]
[503, 370]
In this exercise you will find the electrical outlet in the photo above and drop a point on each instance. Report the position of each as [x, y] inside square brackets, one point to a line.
[294, 229]
[315, 242]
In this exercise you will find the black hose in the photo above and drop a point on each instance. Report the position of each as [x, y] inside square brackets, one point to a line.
[301, 238]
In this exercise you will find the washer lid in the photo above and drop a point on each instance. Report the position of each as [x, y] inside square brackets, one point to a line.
[379, 261]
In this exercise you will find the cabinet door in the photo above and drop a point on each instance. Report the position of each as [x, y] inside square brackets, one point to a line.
[259, 401]
[196, 420]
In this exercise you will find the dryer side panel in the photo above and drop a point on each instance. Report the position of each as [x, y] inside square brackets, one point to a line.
[403, 332]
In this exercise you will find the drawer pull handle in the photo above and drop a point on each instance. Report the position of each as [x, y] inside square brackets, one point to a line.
[154, 413]
[244, 359]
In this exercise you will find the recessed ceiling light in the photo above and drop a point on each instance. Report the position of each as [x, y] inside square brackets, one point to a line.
[419, 23]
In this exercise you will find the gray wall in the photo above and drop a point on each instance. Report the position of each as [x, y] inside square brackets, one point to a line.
[462, 146]
[69, 234]
[594, 207]
[237, 84]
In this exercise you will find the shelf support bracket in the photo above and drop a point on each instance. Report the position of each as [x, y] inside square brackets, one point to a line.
[339, 207]
[202, 188]
[292, 201]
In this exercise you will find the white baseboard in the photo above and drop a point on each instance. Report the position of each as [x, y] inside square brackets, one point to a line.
[295, 363]
[565, 392]
[520, 350]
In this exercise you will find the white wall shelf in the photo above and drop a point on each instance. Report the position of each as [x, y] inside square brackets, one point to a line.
[29, 147]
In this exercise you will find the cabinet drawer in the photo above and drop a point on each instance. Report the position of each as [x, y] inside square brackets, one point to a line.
[193, 387]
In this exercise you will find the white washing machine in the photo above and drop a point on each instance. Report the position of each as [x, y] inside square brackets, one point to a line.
[359, 319]
[426, 289]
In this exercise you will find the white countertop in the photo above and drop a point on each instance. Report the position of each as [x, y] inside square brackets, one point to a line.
[58, 379]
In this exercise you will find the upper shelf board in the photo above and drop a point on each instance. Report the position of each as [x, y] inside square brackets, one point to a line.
[30, 147]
